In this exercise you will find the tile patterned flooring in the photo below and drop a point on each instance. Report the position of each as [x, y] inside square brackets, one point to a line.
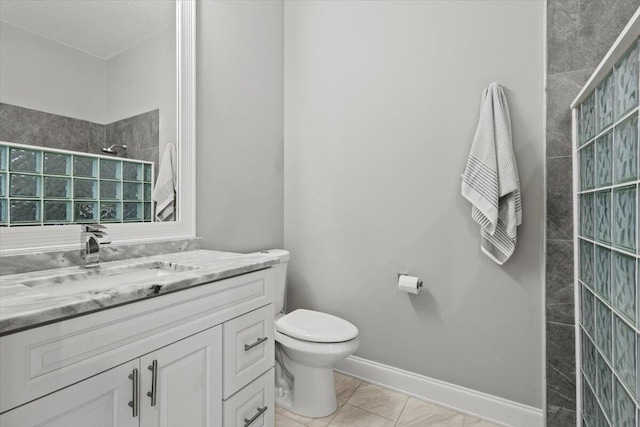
[361, 404]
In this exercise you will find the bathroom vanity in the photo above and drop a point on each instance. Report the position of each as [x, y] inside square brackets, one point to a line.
[181, 339]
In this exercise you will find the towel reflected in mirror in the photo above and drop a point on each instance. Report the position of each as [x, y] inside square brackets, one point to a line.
[164, 193]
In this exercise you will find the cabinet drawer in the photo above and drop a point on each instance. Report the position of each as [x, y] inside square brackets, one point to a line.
[248, 348]
[253, 405]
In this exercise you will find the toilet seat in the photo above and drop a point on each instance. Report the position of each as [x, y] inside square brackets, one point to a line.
[321, 349]
[316, 327]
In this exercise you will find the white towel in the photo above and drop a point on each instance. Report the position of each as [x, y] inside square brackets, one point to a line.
[164, 193]
[490, 181]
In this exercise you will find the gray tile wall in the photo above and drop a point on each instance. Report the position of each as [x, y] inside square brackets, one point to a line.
[140, 133]
[33, 127]
[579, 33]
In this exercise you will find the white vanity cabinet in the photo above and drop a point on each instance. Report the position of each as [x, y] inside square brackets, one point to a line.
[158, 362]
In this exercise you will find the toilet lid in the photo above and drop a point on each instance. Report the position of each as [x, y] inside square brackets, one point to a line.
[313, 326]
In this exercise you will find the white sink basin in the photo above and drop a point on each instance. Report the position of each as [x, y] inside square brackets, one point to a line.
[104, 278]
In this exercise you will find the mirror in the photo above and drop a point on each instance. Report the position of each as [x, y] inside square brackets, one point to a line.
[88, 112]
[43, 92]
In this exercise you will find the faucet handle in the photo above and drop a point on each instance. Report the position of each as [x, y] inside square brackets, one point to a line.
[93, 228]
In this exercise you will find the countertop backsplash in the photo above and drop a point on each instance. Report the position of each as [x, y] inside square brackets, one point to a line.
[25, 263]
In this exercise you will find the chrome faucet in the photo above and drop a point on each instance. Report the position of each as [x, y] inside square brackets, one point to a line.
[92, 236]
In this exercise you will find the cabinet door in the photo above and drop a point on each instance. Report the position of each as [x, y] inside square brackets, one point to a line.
[100, 401]
[182, 383]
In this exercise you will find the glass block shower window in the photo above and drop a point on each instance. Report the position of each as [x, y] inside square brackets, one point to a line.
[608, 277]
[47, 187]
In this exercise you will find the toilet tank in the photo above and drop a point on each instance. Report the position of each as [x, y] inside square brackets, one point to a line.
[281, 277]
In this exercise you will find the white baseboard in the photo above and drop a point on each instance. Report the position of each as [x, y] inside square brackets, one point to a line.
[482, 405]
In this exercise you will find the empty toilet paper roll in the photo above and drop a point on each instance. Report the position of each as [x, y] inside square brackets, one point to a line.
[409, 284]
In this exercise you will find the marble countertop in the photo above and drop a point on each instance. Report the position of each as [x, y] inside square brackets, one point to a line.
[31, 299]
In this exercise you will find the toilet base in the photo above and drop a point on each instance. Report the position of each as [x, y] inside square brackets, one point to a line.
[312, 394]
[304, 379]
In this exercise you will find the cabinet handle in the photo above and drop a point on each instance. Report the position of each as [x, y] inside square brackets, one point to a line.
[259, 341]
[134, 403]
[261, 411]
[154, 381]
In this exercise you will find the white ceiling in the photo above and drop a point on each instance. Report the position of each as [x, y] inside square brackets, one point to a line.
[102, 28]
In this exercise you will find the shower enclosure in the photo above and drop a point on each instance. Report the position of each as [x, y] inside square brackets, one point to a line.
[606, 181]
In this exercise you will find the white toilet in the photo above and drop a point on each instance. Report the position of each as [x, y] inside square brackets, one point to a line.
[308, 344]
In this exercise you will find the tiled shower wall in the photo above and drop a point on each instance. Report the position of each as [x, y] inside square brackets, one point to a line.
[579, 33]
[26, 126]
[140, 133]
[608, 250]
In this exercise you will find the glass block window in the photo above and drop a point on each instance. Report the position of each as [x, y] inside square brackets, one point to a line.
[587, 119]
[604, 100]
[604, 153]
[40, 186]
[607, 152]
[587, 167]
[626, 82]
[625, 150]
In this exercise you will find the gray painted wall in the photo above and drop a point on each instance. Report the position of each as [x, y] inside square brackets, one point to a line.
[43, 75]
[579, 34]
[381, 105]
[143, 78]
[240, 124]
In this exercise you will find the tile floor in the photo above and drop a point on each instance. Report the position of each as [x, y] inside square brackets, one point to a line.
[361, 404]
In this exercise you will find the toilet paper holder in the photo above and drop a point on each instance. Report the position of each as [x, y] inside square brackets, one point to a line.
[406, 274]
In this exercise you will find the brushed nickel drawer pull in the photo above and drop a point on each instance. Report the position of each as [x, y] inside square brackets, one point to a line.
[154, 382]
[247, 421]
[134, 403]
[259, 341]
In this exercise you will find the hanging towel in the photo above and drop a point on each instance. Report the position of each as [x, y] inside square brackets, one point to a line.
[490, 181]
[164, 193]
